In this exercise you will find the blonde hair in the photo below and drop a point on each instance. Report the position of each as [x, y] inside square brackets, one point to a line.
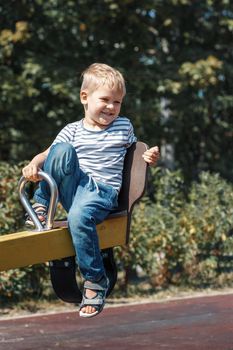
[100, 74]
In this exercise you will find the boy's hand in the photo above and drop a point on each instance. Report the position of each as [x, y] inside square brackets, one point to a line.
[152, 155]
[30, 172]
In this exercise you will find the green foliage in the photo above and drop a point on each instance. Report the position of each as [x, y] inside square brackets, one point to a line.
[183, 239]
[11, 211]
[178, 51]
[197, 82]
[208, 218]
[23, 284]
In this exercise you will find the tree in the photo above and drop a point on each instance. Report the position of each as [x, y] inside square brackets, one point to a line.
[178, 51]
[198, 83]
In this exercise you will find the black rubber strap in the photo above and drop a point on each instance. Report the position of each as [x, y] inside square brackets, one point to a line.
[63, 276]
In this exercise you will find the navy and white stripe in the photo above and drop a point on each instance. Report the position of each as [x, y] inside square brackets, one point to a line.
[100, 153]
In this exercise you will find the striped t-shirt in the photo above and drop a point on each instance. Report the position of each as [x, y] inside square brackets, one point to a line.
[101, 153]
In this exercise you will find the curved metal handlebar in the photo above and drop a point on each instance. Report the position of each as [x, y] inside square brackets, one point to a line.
[52, 204]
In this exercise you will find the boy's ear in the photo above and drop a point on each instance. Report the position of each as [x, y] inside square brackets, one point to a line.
[83, 97]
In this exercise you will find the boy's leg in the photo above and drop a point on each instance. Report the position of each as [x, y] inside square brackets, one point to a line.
[62, 164]
[91, 206]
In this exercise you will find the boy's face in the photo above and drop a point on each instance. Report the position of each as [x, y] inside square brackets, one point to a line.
[101, 106]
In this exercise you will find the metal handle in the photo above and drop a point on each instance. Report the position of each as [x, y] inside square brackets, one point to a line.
[52, 204]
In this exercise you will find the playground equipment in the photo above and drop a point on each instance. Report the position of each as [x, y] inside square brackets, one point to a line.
[53, 243]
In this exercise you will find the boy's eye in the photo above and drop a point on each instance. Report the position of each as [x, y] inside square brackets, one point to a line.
[106, 100]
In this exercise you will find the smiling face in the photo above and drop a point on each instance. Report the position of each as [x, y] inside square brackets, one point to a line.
[101, 106]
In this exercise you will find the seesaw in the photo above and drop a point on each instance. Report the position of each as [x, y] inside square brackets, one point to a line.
[53, 243]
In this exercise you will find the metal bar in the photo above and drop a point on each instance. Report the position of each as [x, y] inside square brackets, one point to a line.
[52, 204]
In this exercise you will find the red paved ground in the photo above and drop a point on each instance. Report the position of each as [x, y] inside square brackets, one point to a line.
[198, 323]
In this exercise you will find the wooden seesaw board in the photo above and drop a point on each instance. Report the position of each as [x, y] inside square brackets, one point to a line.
[32, 247]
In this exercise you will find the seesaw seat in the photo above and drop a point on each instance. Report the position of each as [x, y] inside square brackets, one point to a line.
[55, 245]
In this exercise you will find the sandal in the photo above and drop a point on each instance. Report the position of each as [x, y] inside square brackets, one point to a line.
[98, 301]
[41, 212]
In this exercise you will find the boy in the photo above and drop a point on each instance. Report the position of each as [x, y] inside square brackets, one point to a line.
[86, 161]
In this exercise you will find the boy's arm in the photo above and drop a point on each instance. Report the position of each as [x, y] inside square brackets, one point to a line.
[152, 155]
[30, 171]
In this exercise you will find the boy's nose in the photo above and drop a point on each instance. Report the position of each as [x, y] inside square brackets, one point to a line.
[110, 106]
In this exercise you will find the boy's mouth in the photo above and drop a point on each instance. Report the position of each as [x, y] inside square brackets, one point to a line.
[107, 114]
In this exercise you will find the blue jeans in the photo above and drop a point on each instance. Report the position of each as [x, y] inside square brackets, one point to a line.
[86, 201]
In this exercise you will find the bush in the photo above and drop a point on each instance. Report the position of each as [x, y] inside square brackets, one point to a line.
[11, 211]
[177, 237]
[157, 246]
[180, 237]
[208, 218]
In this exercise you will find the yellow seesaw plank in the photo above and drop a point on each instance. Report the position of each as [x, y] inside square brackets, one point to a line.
[30, 247]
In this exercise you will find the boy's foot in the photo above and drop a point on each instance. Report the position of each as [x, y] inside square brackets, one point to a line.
[93, 297]
[41, 212]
